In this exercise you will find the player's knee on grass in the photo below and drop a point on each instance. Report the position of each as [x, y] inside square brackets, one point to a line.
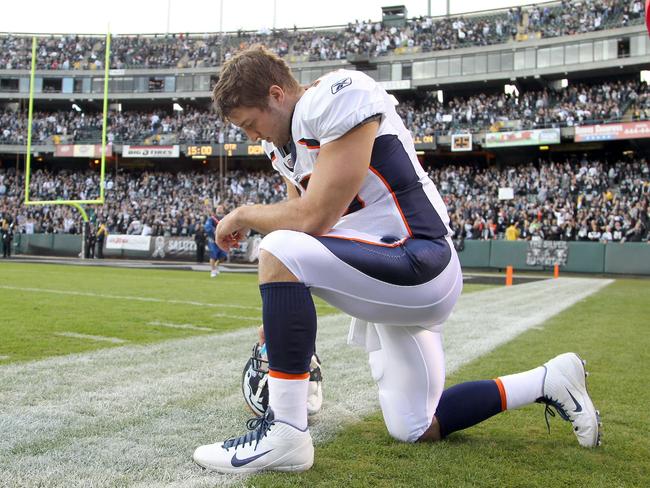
[398, 423]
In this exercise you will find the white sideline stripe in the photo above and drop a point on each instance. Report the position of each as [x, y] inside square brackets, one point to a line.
[133, 415]
[238, 317]
[180, 326]
[126, 297]
[74, 335]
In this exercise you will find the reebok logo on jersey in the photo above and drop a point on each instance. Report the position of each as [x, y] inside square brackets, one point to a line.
[243, 462]
[339, 85]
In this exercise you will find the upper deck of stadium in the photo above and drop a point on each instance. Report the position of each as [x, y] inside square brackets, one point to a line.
[357, 40]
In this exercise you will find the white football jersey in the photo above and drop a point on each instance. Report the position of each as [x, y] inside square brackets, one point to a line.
[397, 199]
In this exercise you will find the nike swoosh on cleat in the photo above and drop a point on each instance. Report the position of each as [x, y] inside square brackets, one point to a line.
[578, 408]
[237, 463]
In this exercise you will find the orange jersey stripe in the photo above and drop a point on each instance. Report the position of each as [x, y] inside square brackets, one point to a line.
[502, 393]
[303, 143]
[408, 228]
[288, 376]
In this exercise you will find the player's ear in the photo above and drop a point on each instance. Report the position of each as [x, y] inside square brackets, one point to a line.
[276, 93]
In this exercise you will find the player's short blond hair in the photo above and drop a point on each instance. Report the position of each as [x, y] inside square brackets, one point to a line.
[245, 80]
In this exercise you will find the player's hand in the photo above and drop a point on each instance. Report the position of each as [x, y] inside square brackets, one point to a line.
[229, 231]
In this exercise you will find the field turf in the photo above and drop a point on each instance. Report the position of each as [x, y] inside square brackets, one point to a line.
[105, 307]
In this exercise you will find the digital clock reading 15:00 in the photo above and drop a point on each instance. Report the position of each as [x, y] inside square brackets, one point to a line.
[199, 150]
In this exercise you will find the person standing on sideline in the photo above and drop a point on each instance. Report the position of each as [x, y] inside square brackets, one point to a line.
[102, 233]
[200, 240]
[365, 229]
[217, 254]
[7, 234]
[91, 238]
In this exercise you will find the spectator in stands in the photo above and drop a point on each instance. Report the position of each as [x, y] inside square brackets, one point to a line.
[513, 232]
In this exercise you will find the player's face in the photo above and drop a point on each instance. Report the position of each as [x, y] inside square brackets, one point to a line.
[267, 124]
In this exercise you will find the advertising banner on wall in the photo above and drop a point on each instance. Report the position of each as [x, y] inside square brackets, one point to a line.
[150, 151]
[612, 132]
[81, 150]
[547, 253]
[533, 137]
[128, 242]
[173, 248]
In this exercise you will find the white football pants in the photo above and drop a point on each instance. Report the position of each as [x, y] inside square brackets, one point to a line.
[399, 325]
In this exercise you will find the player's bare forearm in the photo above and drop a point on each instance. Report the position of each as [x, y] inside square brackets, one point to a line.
[338, 174]
[288, 215]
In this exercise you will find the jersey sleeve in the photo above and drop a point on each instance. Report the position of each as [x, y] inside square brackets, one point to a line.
[345, 104]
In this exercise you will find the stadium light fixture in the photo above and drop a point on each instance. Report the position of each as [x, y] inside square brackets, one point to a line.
[76, 107]
[177, 107]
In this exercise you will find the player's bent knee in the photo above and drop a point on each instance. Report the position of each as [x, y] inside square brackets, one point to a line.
[399, 433]
[271, 269]
[398, 423]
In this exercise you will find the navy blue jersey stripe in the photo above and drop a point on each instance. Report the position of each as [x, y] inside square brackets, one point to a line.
[411, 263]
[390, 161]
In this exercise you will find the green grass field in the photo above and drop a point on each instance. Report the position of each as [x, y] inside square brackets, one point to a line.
[610, 329]
[40, 301]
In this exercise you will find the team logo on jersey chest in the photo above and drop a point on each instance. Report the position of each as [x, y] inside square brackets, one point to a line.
[339, 85]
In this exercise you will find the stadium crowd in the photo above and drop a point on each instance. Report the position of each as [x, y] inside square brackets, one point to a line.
[576, 104]
[64, 52]
[574, 199]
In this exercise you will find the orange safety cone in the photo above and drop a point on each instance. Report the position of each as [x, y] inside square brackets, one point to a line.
[556, 271]
[508, 275]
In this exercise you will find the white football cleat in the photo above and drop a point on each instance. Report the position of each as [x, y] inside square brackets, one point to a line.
[214, 273]
[271, 445]
[565, 389]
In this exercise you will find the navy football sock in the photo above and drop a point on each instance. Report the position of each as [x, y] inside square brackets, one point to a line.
[289, 319]
[467, 404]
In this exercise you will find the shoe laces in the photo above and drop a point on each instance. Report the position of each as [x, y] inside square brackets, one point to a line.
[548, 411]
[258, 427]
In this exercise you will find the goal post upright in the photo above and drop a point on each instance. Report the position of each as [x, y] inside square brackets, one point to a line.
[30, 119]
[28, 157]
[107, 63]
[30, 112]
